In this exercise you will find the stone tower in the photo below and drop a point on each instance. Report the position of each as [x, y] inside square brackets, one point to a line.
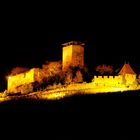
[73, 54]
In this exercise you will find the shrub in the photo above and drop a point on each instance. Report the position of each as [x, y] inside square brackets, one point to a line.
[27, 88]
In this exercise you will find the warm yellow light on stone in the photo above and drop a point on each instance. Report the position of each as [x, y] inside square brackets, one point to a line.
[22, 78]
[73, 54]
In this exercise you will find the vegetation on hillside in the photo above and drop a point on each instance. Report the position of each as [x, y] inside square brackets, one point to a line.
[18, 70]
[104, 69]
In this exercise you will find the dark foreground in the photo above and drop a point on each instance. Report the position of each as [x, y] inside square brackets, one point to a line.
[114, 114]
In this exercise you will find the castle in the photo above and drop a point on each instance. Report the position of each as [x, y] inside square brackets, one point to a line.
[73, 55]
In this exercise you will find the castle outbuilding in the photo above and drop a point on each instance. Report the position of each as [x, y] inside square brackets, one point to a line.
[128, 74]
[73, 54]
[18, 80]
[126, 69]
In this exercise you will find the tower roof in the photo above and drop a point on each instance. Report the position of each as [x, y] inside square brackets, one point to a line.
[126, 69]
[73, 43]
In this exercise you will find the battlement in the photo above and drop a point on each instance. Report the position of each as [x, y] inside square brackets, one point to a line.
[107, 77]
[115, 80]
[108, 80]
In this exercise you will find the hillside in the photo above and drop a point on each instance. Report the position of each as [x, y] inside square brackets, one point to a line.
[103, 114]
[56, 92]
[77, 101]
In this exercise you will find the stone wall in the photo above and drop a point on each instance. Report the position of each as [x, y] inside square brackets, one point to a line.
[130, 78]
[23, 78]
[67, 57]
[78, 55]
[126, 79]
[107, 80]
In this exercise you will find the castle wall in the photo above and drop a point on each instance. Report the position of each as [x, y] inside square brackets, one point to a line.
[126, 79]
[130, 78]
[107, 80]
[23, 78]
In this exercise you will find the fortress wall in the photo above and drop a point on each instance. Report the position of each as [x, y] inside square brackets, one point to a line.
[130, 78]
[20, 79]
[107, 80]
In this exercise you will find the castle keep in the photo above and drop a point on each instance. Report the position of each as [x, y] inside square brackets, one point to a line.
[73, 54]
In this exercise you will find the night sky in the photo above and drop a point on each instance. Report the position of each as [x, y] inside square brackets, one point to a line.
[30, 36]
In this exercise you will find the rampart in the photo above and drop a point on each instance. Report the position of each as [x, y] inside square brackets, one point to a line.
[107, 80]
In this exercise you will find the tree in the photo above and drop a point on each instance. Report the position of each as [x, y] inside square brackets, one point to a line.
[77, 74]
[104, 69]
[52, 68]
[67, 76]
[78, 77]
[18, 70]
[87, 77]
[52, 72]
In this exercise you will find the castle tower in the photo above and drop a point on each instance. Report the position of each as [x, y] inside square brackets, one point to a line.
[73, 54]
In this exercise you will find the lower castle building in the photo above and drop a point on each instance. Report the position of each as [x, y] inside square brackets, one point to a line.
[23, 78]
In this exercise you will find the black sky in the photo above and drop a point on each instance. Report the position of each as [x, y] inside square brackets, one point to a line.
[32, 35]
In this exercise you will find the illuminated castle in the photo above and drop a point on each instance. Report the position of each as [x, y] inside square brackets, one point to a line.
[73, 54]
